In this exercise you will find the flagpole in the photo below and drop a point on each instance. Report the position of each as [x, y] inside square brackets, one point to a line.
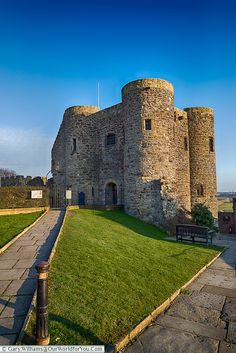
[98, 95]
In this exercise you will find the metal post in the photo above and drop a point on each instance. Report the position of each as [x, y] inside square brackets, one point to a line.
[42, 336]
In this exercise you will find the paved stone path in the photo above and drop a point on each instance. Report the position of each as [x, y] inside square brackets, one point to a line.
[18, 274]
[203, 321]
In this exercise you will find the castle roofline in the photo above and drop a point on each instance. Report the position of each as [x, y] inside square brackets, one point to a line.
[147, 83]
[88, 109]
[200, 109]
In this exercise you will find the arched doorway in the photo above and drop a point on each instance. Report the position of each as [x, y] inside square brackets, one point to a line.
[111, 194]
[81, 198]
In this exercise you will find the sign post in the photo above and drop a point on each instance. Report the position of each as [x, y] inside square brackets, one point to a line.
[68, 197]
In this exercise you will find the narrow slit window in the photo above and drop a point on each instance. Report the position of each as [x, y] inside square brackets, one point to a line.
[200, 190]
[211, 144]
[74, 145]
[148, 124]
[111, 139]
[186, 144]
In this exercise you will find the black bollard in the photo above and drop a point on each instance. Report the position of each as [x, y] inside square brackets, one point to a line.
[42, 336]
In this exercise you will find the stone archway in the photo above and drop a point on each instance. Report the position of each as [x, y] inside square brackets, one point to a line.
[111, 194]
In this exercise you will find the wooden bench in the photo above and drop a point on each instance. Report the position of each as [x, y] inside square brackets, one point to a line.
[190, 232]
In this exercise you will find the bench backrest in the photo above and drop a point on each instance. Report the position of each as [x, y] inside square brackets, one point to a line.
[189, 229]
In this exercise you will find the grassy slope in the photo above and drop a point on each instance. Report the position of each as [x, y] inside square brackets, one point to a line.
[11, 225]
[109, 272]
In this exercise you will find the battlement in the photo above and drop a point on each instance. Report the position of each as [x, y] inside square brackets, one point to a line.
[199, 110]
[180, 113]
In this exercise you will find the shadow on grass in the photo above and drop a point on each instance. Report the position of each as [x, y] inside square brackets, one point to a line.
[70, 325]
[134, 224]
[85, 333]
[148, 230]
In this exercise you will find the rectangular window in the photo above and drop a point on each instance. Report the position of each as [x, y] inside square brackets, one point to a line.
[148, 124]
[186, 143]
[111, 139]
[211, 144]
[74, 145]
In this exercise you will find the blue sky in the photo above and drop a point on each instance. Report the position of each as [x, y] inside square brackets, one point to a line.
[53, 53]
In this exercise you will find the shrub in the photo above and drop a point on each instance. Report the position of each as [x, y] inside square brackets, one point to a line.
[202, 216]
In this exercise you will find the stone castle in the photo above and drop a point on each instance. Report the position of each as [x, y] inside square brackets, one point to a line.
[143, 153]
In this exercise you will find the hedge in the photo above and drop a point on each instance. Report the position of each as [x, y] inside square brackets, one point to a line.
[20, 196]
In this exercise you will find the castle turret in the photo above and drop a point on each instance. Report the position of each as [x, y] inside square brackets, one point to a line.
[71, 154]
[202, 157]
[181, 142]
[149, 156]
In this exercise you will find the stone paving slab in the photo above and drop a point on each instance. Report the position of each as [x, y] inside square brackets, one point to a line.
[11, 274]
[15, 247]
[7, 340]
[26, 263]
[3, 303]
[224, 281]
[230, 273]
[226, 347]
[221, 264]
[191, 326]
[219, 291]
[3, 286]
[21, 287]
[7, 264]
[17, 306]
[26, 242]
[26, 254]
[29, 273]
[231, 336]
[196, 286]
[188, 308]
[29, 248]
[11, 325]
[167, 340]
[16, 256]
[229, 310]
[18, 275]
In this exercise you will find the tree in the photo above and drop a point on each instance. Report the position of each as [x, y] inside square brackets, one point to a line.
[5, 172]
[202, 216]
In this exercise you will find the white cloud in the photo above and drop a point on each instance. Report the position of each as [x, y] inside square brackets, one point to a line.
[25, 151]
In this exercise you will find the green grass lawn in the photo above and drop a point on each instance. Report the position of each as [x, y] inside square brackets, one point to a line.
[11, 225]
[225, 206]
[109, 272]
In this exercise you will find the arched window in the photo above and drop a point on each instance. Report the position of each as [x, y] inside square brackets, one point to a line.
[200, 190]
[111, 139]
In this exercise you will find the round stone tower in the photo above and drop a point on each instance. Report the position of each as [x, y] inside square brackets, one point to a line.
[149, 160]
[79, 152]
[202, 157]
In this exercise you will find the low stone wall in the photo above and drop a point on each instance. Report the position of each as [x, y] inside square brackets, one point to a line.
[20, 197]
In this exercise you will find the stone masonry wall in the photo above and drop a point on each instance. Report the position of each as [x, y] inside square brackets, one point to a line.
[152, 169]
[149, 170]
[92, 164]
[181, 142]
[202, 159]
